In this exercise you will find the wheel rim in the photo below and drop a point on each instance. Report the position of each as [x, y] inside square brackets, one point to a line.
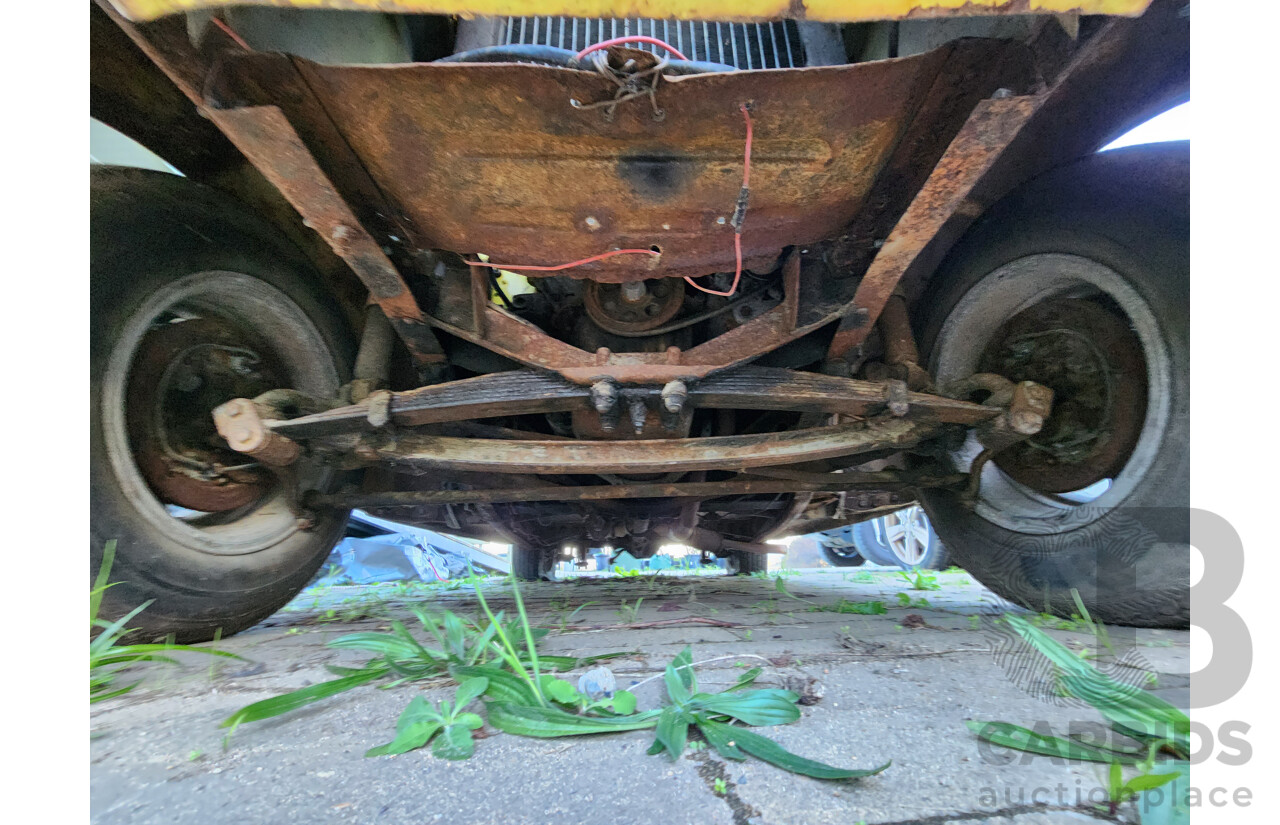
[236, 312]
[907, 535]
[1009, 496]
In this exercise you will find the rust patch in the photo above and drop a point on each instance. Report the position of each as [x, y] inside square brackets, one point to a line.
[267, 139]
[988, 131]
[493, 158]
[738, 452]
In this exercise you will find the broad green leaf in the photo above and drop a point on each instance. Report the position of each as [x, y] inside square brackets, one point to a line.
[720, 737]
[683, 663]
[1168, 805]
[430, 625]
[277, 705]
[672, 731]
[383, 644]
[455, 634]
[678, 677]
[418, 722]
[1147, 781]
[1024, 739]
[1115, 782]
[656, 748]
[454, 742]
[760, 708]
[470, 721]
[770, 751]
[418, 651]
[559, 690]
[504, 686]
[547, 723]
[469, 691]
[624, 702]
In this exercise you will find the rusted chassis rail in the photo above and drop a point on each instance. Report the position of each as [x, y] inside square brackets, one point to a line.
[882, 416]
[1054, 100]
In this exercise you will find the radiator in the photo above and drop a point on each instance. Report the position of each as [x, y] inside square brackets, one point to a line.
[773, 45]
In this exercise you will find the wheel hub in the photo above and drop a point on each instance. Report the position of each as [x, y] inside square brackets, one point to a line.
[1093, 362]
[907, 534]
[181, 371]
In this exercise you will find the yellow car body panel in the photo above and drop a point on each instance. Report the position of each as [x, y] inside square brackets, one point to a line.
[834, 11]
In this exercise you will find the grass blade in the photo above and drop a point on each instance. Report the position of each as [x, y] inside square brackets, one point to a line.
[277, 705]
[100, 583]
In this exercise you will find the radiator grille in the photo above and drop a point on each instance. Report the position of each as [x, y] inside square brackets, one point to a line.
[773, 45]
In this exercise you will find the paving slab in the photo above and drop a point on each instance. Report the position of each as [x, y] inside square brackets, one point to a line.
[896, 686]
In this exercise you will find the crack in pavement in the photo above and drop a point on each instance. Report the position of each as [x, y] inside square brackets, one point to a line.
[709, 770]
[982, 816]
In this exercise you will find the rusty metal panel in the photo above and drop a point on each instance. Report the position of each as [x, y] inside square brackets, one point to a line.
[494, 158]
[827, 10]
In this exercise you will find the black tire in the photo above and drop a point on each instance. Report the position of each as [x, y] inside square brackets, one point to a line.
[1111, 230]
[160, 246]
[531, 564]
[744, 564]
[868, 543]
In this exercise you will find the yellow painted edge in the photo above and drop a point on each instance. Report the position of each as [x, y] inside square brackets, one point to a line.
[842, 11]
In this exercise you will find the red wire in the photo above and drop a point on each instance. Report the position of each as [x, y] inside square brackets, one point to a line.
[559, 267]
[232, 34]
[638, 38]
[737, 232]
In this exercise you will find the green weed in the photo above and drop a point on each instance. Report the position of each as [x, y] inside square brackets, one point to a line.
[108, 658]
[920, 579]
[1145, 725]
[629, 612]
[869, 608]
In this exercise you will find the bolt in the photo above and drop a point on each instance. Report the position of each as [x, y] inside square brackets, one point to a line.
[1001, 94]
[896, 396]
[674, 395]
[638, 413]
[721, 221]
[592, 223]
[1026, 422]
[604, 396]
[633, 292]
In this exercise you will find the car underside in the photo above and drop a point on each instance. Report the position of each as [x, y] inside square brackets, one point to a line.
[568, 282]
